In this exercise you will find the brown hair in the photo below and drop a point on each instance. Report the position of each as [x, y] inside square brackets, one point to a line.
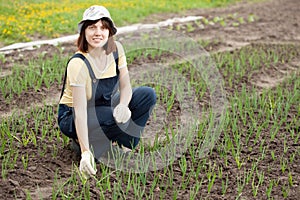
[109, 47]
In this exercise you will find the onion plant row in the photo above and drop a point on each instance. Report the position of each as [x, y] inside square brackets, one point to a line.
[32, 76]
[259, 139]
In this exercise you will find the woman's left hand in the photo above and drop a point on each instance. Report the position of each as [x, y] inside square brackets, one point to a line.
[122, 113]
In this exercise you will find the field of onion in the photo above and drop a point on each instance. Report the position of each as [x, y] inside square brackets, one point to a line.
[226, 124]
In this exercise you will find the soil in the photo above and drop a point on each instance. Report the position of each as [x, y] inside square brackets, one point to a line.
[277, 22]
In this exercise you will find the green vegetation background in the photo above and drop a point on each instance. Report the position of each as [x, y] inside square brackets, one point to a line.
[23, 21]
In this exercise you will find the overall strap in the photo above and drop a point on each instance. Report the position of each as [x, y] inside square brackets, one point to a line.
[116, 57]
[77, 55]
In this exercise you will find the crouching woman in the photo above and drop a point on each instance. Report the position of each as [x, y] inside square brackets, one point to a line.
[98, 105]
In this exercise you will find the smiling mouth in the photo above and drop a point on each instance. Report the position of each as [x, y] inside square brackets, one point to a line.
[98, 39]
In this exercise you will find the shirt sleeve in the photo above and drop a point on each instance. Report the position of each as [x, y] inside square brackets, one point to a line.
[122, 56]
[77, 73]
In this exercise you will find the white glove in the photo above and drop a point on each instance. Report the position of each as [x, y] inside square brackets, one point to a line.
[87, 165]
[122, 113]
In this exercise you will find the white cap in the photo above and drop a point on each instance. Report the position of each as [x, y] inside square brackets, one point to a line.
[96, 12]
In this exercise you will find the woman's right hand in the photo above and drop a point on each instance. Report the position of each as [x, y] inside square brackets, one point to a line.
[87, 165]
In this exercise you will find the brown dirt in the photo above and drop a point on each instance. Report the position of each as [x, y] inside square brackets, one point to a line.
[277, 22]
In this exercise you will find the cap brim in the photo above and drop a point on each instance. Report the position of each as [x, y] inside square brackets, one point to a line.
[114, 29]
[80, 26]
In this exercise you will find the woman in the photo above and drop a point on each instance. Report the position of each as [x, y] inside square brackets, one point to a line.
[91, 109]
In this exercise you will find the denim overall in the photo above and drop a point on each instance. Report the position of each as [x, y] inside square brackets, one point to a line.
[102, 128]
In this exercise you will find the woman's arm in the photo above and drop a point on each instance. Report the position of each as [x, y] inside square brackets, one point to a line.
[87, 163]
[80, 108]
[125, 86]
[121, 112]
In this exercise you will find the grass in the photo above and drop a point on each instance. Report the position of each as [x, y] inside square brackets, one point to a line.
[22, 21]
[245, 130]
[255, 154]
[32, 75]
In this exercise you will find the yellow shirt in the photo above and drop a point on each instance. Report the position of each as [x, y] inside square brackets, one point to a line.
[78, 74]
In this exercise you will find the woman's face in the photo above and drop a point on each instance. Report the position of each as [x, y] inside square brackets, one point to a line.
[96, 35]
